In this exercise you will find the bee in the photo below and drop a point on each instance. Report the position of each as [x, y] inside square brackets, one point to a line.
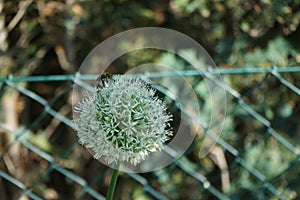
[102, 78]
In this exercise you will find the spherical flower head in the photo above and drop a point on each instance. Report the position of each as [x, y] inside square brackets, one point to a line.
[123, 120]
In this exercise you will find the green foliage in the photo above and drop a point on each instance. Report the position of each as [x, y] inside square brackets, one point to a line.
[278, 52]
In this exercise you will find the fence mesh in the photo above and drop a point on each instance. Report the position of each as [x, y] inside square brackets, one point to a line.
[40, 157]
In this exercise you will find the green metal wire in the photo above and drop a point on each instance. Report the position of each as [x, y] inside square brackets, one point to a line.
[54, 78]
[20, 185]
[20, 134]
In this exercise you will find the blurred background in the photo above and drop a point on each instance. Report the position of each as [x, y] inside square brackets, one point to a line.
[255, 45]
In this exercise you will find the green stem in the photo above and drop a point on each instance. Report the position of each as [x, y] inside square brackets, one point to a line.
[112, 185]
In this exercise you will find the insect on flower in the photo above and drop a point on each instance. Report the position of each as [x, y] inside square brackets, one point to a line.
[101, 80]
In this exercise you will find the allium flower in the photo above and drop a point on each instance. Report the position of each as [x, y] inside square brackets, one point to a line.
[122, 120]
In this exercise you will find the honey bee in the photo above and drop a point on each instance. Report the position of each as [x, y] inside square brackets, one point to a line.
[100, 82]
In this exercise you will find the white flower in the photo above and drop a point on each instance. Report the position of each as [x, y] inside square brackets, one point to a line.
[122, 121]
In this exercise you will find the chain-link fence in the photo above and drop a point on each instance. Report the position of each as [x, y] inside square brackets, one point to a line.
[257, 157]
